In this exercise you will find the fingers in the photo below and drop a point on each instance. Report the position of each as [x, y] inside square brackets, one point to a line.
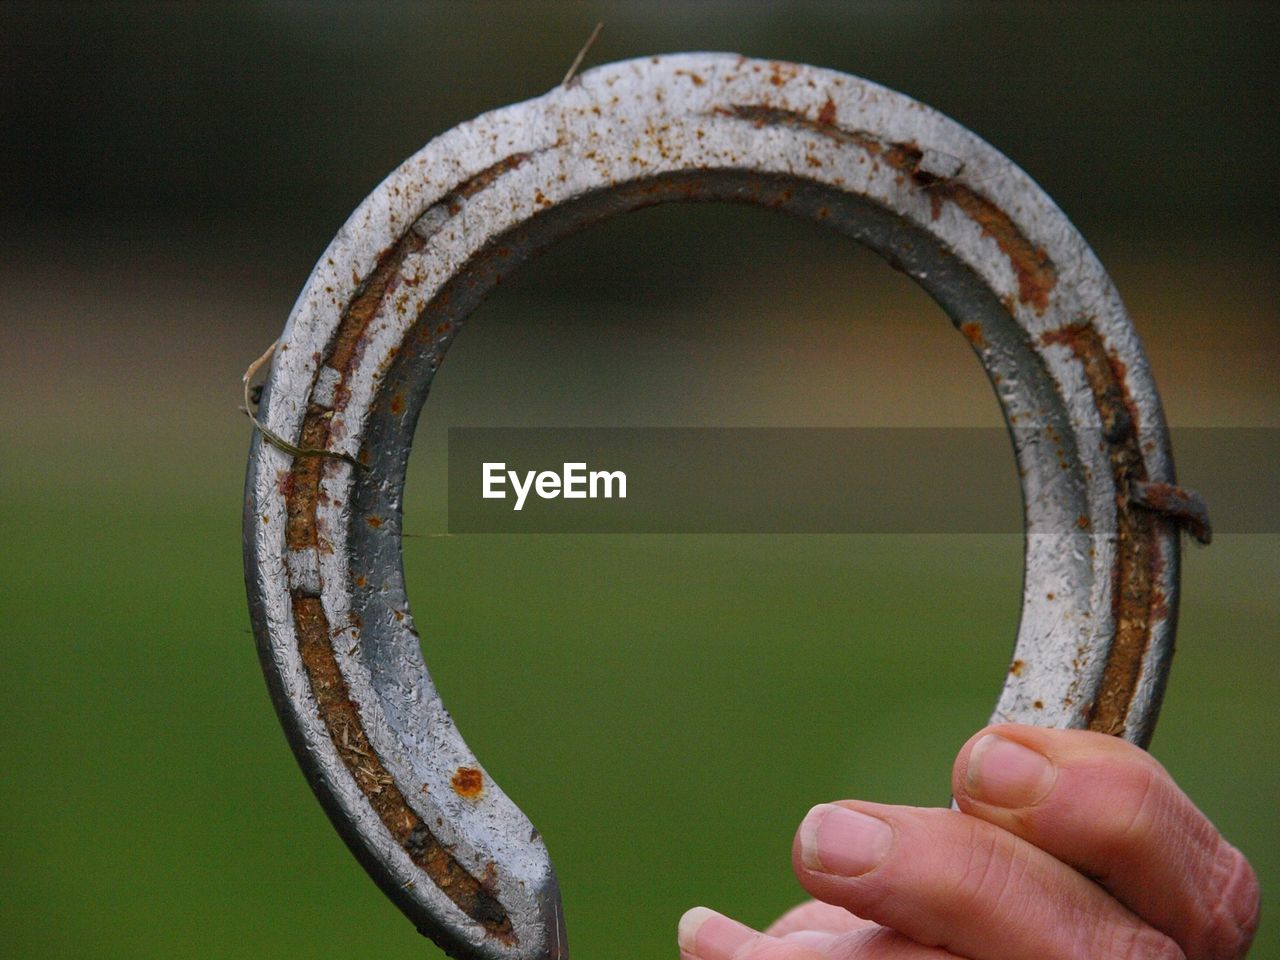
[945, 879]
[707, 935]
[814, 915]
[1009, 877]
[1110, 810]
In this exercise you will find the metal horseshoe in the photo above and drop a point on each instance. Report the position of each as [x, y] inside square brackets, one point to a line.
[355, 361]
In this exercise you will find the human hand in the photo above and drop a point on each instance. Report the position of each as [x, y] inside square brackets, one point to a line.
[1067, 844]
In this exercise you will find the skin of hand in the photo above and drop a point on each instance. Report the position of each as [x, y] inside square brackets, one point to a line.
[1067, 845]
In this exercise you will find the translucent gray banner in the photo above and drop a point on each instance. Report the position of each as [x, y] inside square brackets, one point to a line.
[800, 480]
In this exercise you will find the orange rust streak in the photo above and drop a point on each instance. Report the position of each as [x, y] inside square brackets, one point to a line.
[489, 174]
[1135, 603]
[1035, 273]
[349, 342]
[301, 488]
[303, 482]
[342, 718]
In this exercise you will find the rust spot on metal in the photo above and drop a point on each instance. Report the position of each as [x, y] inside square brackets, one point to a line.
[488, 175]
[1015, 668]
[1160, 496]
[1184, 507]
[973, 333]
[781, 73]
[827, 115]
[1106, 378]
[1031, 265]
[1134, 600]
[397, 404]
[468, 782]
[374, 522]
[490, 879]
[1039, 704]
[304, 485]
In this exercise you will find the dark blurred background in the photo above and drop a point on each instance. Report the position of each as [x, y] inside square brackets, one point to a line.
[665, 707]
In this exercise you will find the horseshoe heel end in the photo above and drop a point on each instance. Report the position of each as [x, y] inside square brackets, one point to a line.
[369, 731]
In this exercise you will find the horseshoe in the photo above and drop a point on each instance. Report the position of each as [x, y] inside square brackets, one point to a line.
[357, 356]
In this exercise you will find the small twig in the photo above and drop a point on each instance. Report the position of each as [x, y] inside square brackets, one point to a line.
[271, 436]
[257, 365]
[582, 54]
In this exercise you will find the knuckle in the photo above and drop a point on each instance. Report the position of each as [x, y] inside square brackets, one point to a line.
[991, 873]
[1233, 907]
[869, 896]
[1141, 803]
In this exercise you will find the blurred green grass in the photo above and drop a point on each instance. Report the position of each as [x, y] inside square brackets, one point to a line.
[665, 708]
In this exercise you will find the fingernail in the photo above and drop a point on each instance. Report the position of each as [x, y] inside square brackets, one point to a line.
[843, 842]
[709, 935]
[1007, 774]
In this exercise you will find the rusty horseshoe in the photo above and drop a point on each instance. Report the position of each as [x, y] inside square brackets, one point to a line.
[356, 359]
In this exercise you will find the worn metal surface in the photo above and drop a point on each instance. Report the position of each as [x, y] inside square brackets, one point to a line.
[322, 537]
